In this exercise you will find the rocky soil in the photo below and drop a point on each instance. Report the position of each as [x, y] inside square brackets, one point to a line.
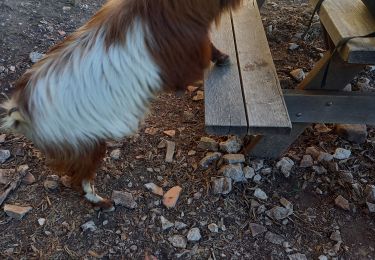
[180, 193]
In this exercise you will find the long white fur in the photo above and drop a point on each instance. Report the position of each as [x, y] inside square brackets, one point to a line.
[90, 92]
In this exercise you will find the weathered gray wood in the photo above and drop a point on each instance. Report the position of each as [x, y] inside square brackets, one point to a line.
[346, 18]
[265, 106]
[316, 106]
[224, 105]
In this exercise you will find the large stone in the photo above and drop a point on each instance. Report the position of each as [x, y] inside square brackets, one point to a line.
[16, 212]
[209, 159]
[221, 185]
[353, 133]
[232, 145]
[89, 226]
[208, 144]
[234, 158]
[35, 56]
[285, 165]
[123, 198]
[297, 256]
[234, 172]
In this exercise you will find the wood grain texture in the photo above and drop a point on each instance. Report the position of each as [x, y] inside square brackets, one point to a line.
[346, 18]
[330, 106]
[224, 105]
[265, 106]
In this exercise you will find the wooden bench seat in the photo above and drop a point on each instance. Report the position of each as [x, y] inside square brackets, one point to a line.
[244, 97]
[347, 18]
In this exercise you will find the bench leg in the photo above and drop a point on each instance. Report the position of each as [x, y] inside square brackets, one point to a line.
[339, 75]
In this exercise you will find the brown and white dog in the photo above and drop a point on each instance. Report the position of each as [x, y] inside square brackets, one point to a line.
[96, 85]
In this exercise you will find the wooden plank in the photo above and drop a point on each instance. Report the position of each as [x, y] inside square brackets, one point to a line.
[265, 106]
[346, 18]
[330, 106]
[224, 105]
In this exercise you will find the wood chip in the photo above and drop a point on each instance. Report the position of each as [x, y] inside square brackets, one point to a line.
[171, 133]
[171, 197]
[171, 146]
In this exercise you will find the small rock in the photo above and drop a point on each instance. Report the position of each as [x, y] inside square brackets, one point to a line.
[353, 133]
[346, 176]
[248, 172]
[336, 236]
[192, 88]
[12, 68]
[170, 133]
[257, 164]
[66, 8]
[213, 228]
[293, 46]
[297, 256]
[179, 225]
[257, 179]
[256, 229]
[123, 198]
[348, 88]
[342, 154]
[313, 151]
[16, 212]
[116, 154]
[4, 155]
[279, 213]
[341, 202]
[199, 96]
[298, 74]
[274, 238]
[66, 181]
[322, 128]
[154, 189]
[221, 185]
[307, 161]
[170, 198]
[209, 159]
[322, 257]
[171, 146]
[29, 179]
[234, 158]
[371, 207]
[364, 84]
[232, 145]
[286, 203]
[325, 157]
[260, 194]
[208, 144]
[319, 170]
[35, 56]
[89, 226]
[234, 172]
[192, 152]
[285, 165]
[52, 183]
[42, 221]
[2, 138]
[370, 193]
[178, 241]
[165, 223]
[194, 235]
[5, 175]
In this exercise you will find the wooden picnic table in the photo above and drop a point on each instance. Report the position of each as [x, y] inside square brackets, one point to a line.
[246, 98]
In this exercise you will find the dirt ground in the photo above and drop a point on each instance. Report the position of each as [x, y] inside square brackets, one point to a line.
[34, 26]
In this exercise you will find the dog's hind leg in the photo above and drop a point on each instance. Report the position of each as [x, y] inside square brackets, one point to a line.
[218, 57]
